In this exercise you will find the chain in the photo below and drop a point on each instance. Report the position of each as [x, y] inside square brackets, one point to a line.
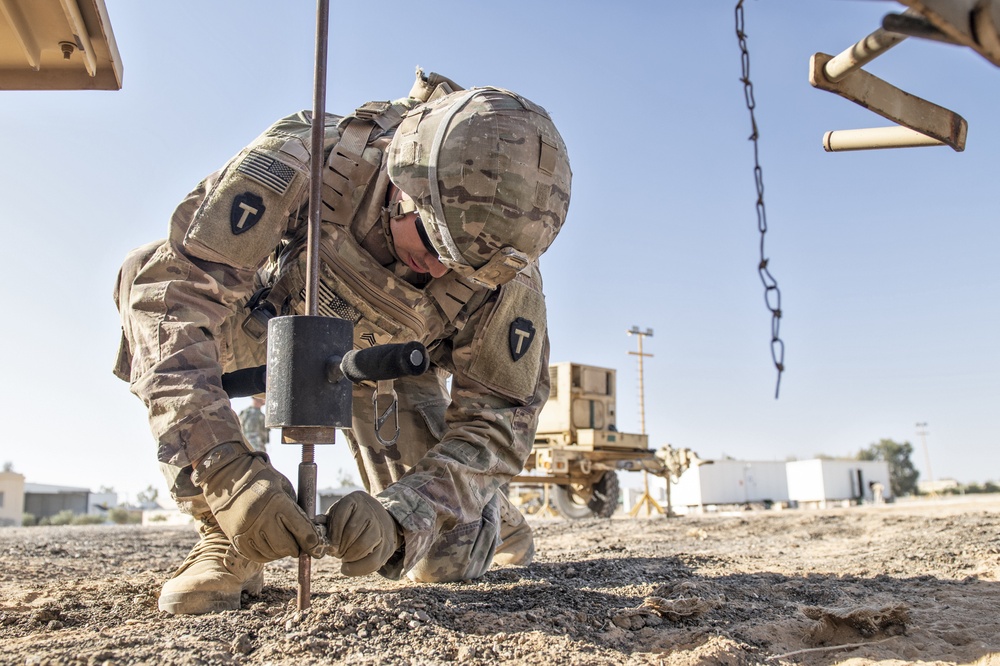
[772, 295]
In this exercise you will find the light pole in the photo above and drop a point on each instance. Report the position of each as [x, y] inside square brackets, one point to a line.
[646, 498]
[642, 398]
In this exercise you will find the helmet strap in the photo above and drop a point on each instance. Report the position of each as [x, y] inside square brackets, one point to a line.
[401, 208]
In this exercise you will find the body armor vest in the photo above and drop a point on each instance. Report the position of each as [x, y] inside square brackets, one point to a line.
[353, 285]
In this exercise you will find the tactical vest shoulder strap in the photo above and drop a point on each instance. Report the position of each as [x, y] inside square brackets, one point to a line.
[348, 167]
[452, 293]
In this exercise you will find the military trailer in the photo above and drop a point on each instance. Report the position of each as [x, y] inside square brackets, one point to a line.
[578, 447]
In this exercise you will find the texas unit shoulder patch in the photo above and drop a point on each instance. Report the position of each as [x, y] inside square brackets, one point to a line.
[522, 333]
[246, 211]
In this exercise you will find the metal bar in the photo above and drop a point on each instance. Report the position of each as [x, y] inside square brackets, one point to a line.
[892, 103]
[855, 57]
[307, 469]
[22, 31]
[873, 138]
[307, 500]
[952, 17]
[913, 25]
[79, 29]
[316, 162]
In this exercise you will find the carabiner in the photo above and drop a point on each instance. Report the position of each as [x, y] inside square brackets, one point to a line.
[392, 409]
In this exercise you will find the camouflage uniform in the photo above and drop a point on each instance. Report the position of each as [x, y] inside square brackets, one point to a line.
[252, 423]
[236, 249]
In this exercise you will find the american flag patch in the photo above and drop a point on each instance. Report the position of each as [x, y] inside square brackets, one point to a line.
[267, 171]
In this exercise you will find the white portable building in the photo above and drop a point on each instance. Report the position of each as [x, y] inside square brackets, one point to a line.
[730, 482]
[820, 481]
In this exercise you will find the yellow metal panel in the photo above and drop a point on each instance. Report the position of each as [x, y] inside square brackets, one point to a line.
[57, 45]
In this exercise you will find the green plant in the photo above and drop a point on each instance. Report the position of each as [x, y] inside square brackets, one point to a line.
[64, 517]
[87, 519]
[118, 515]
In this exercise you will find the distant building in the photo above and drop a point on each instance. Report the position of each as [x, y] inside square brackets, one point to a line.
[823, 481]
[98, 503]
[813, 483]
[937, 486]
[730, 482]
[43, 501]
[11, 498]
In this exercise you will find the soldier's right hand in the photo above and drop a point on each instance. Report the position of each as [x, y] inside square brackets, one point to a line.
[255, 505]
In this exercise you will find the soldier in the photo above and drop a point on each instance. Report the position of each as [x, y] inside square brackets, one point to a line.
[436, 209]
[252, 424]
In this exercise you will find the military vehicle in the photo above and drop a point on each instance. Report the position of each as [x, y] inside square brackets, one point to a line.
[578, 448]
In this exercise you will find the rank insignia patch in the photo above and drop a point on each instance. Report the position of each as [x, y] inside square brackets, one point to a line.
[247, 210]
[522, 333]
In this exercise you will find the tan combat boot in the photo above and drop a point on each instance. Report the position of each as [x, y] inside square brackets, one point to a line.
[212, 577]
[517, 545]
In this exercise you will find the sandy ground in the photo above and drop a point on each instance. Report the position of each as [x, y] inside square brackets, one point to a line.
[903, 583]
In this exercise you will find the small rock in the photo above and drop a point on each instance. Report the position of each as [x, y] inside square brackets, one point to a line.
[623, 621]
[422, 616]
[45, 615]
[242, 644]
[54, 625]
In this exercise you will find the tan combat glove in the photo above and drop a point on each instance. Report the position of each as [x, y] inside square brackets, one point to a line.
[362, 534]
[255, 505]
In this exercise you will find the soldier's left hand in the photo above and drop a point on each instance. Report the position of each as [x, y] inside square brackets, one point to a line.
[362, 534]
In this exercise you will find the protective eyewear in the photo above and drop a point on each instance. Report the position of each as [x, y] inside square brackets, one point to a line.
[424, 238]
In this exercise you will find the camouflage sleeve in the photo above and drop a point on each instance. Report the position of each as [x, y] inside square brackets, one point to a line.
[177, 305]
[179, 308]
[500, 381]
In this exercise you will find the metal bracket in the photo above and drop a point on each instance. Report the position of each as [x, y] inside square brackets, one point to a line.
[972, 23]
[921, 123]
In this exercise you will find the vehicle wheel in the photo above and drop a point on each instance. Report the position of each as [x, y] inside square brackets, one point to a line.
[576, 502]
[604, 500]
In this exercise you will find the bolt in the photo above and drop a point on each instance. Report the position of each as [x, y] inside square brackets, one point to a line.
[67, 49]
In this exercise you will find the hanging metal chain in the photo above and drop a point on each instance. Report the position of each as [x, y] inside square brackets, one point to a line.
[772, 295]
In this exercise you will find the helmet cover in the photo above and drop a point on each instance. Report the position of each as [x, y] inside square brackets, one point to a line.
[490, 177]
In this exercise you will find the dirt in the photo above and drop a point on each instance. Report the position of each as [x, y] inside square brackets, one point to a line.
[901, 583]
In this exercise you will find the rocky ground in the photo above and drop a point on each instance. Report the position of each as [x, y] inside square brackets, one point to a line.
[902, 583]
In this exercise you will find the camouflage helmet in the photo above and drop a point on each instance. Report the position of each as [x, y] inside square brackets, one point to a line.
[490, 178]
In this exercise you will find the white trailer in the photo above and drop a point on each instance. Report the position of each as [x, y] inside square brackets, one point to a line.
[820, 482]
[730, 482]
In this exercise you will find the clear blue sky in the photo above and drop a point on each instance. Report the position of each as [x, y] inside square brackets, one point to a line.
[887, 261]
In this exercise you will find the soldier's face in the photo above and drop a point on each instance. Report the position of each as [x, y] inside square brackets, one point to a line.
[410, 247]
